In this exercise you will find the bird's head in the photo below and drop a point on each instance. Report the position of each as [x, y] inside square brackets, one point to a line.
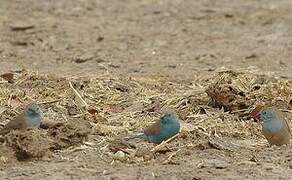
[266, 114]
[168, 118]
[32, 110]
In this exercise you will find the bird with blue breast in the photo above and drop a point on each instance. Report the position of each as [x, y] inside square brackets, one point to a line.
[275, 127]
[164, 128]
[31, 117]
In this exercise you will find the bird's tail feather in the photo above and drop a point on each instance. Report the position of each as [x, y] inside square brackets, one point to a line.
[136, 136]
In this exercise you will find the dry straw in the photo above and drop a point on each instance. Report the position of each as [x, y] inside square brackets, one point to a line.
[124, 105]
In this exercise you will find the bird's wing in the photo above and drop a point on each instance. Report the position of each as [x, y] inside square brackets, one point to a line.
[280, 117]
[17, 123]
[153, 129]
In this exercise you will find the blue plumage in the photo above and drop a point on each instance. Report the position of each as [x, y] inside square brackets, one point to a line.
[32, 115]
[163, 129]
[30, 118]
[274, 126]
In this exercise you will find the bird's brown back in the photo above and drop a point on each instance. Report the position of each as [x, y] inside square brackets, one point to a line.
[17, 123]
[153, 129]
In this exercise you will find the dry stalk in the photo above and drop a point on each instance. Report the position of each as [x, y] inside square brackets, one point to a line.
[78, 95]
[163, 143]
[286, 110]
[50, 102]
[2, 109]
[239, 110]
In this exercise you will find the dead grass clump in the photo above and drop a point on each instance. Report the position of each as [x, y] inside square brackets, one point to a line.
[108, 107]
[71, 133]
[6, 155]
[29, 144]
[236, 91]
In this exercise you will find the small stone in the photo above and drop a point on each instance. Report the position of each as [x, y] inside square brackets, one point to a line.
[218, 164]
[247, 163]
[83, 58]
[17, 68]
[3, 159]
[120, 156]
[100, 38]
[21, 26]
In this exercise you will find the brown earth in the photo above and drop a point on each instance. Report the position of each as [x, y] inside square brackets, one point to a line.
[130, 52]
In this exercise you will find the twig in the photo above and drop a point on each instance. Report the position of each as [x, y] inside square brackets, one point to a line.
[9, 100]
[163, 143]
[286, 110]
[77, 115]
[198, 122]
[243, 84]
[78, 95]
[240, 110]
[49, 102]
[63, 115]
[2, 110]
[196, 115]
[21, 80]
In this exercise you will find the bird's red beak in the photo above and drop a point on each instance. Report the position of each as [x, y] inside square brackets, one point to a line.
[255, 113]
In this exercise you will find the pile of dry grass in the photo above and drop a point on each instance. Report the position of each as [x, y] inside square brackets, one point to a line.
[116, 106]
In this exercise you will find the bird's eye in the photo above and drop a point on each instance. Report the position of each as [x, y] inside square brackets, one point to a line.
[164, 121]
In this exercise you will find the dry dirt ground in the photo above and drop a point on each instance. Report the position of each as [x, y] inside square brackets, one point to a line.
[125, 57]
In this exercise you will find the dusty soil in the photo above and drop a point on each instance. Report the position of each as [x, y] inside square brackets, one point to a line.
[129, 53]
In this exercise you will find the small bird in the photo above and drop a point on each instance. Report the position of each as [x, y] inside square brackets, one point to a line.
[163, 129]
[30, 118]
[274, 126]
